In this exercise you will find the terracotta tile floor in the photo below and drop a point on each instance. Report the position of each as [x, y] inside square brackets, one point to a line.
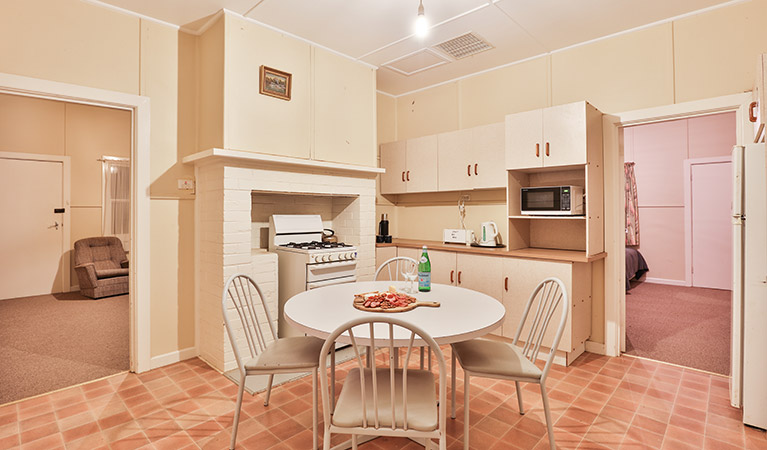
[598, 402]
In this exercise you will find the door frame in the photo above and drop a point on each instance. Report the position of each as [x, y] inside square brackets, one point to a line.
[615, 203]
[688, 163]
[66, 285]
[140, 181]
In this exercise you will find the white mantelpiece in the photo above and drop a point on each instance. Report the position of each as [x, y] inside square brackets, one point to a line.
[225, 181]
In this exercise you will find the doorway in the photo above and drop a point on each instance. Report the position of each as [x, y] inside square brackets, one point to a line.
[680, 311]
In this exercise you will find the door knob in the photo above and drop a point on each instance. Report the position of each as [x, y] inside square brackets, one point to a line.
[55, 225]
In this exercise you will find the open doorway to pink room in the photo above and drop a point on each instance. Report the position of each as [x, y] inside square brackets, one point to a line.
[678, 305]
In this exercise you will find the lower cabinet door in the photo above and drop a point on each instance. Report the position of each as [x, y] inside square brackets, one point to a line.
[520, 277]
[483, 274]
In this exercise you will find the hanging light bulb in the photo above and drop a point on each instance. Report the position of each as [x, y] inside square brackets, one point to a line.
[421, 25]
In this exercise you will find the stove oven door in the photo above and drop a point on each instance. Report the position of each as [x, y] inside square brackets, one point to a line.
[326, 274]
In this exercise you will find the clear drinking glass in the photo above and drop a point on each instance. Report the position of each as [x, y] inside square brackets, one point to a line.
[410, 273]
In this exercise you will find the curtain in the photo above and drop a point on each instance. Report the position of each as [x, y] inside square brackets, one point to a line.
[632, 206]
[117, 199]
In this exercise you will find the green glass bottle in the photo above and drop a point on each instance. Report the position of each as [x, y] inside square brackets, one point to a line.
[424, 272]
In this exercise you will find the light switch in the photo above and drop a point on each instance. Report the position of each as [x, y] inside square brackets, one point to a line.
[186, 185]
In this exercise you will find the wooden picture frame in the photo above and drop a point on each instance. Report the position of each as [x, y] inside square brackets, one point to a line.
[275, 83]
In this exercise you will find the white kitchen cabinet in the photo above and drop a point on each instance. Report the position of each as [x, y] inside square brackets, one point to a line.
[561, 135]
[521, 276]
[384, 254]
[442, 263]
[411, 166]
[483, 274]
[472, 158]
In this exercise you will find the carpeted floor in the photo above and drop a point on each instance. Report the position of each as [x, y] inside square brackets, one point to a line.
[681, 325]
[48, 342]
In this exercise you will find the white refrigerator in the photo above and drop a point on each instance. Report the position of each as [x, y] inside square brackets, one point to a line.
[750, 280]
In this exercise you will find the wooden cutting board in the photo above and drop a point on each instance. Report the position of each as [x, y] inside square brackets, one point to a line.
[359, 303]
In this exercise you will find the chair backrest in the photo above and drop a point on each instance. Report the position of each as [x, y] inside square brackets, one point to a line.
[394, 267]
[244, 310]
[549, 295]
[106, 252]
[367, 334]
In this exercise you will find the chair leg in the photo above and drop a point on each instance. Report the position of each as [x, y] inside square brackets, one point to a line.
[315, 375]
[354, 442]
[465, 410]
[326, 438]
[452, 387]
[268, 390]
[237, 408]
[546, 411]
[519, 398]
[332, 379]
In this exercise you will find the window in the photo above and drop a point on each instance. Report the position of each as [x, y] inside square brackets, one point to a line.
[116, 199]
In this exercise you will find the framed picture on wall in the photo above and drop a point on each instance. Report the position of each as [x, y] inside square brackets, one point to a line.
[275, 83]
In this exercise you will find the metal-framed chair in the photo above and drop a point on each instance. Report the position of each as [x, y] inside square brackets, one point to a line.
[385, 401]
[494, 359]
[244, 311]
[398, 264]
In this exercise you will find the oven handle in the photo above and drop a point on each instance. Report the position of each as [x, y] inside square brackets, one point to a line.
[318, 284]
[332, 265]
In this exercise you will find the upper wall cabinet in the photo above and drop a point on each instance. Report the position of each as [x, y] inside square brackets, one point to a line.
[471, 158]
[550, 137]
[411, 166]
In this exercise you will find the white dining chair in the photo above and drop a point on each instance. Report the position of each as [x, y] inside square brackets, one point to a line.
[495, 359]
[394, 267]
[385, 401]
[244, 310]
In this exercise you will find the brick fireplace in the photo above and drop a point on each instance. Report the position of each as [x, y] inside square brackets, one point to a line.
[235, 192]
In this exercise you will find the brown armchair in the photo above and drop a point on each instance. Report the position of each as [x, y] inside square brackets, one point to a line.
[101, 266]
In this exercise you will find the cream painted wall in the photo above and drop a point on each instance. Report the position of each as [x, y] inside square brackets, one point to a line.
[80, 43]
[344, 110]
[82, 132]
[261, 123]
[209, 66]
[70, 41]
[428, 112]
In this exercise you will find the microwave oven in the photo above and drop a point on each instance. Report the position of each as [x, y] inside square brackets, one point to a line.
[552, 201]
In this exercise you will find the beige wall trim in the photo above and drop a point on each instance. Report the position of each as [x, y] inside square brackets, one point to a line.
[595, 347]
[244, 157]
[66, 180]
[131, 13]
[211, 21]
[666, 282]
[299, 38]
[615, 270]
[140, 270]
[173, 357]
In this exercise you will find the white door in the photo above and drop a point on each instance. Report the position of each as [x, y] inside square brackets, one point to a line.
[31, 234]
[711, 225]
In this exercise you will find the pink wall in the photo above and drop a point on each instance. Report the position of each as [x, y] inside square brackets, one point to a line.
[659, 151]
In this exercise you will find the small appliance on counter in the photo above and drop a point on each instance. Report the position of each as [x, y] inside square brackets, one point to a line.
[552, 201]
[383, 235]
[489, 235]
[455, 236]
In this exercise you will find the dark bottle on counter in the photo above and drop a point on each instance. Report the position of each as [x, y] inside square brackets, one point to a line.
[383, 225]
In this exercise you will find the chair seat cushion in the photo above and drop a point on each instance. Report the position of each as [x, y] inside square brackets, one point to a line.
[422, 412]
[301, 352]
[494, 358]
[110, 273]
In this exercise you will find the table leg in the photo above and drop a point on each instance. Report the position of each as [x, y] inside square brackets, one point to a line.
[332, 379]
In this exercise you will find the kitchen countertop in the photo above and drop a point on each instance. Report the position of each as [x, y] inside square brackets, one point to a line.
[531, 253]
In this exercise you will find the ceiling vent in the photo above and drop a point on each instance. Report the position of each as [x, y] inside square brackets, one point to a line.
[465, 45]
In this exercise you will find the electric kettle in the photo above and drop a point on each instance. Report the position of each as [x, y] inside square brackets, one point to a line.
[488, 235]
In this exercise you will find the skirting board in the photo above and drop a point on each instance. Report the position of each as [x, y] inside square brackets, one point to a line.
[172, 357]
[596, 347]
[665, 281]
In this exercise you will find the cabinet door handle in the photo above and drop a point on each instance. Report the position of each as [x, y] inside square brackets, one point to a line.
[537, 150]
[408, 175]
[751, 114]
[403, 175]
[452, 272]
[468, 170]
[459, 277]
[506, 284]
[475, 169]
[547, 149]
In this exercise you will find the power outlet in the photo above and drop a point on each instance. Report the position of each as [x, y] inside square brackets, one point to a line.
[186, 185]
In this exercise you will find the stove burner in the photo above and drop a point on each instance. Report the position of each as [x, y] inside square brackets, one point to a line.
[315, 245]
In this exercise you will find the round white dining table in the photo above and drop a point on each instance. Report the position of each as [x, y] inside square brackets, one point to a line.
[463, 314]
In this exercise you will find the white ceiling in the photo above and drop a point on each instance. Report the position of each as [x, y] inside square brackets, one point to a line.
[378, 32]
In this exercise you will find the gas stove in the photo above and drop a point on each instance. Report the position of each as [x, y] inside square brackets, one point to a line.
[304, 261]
